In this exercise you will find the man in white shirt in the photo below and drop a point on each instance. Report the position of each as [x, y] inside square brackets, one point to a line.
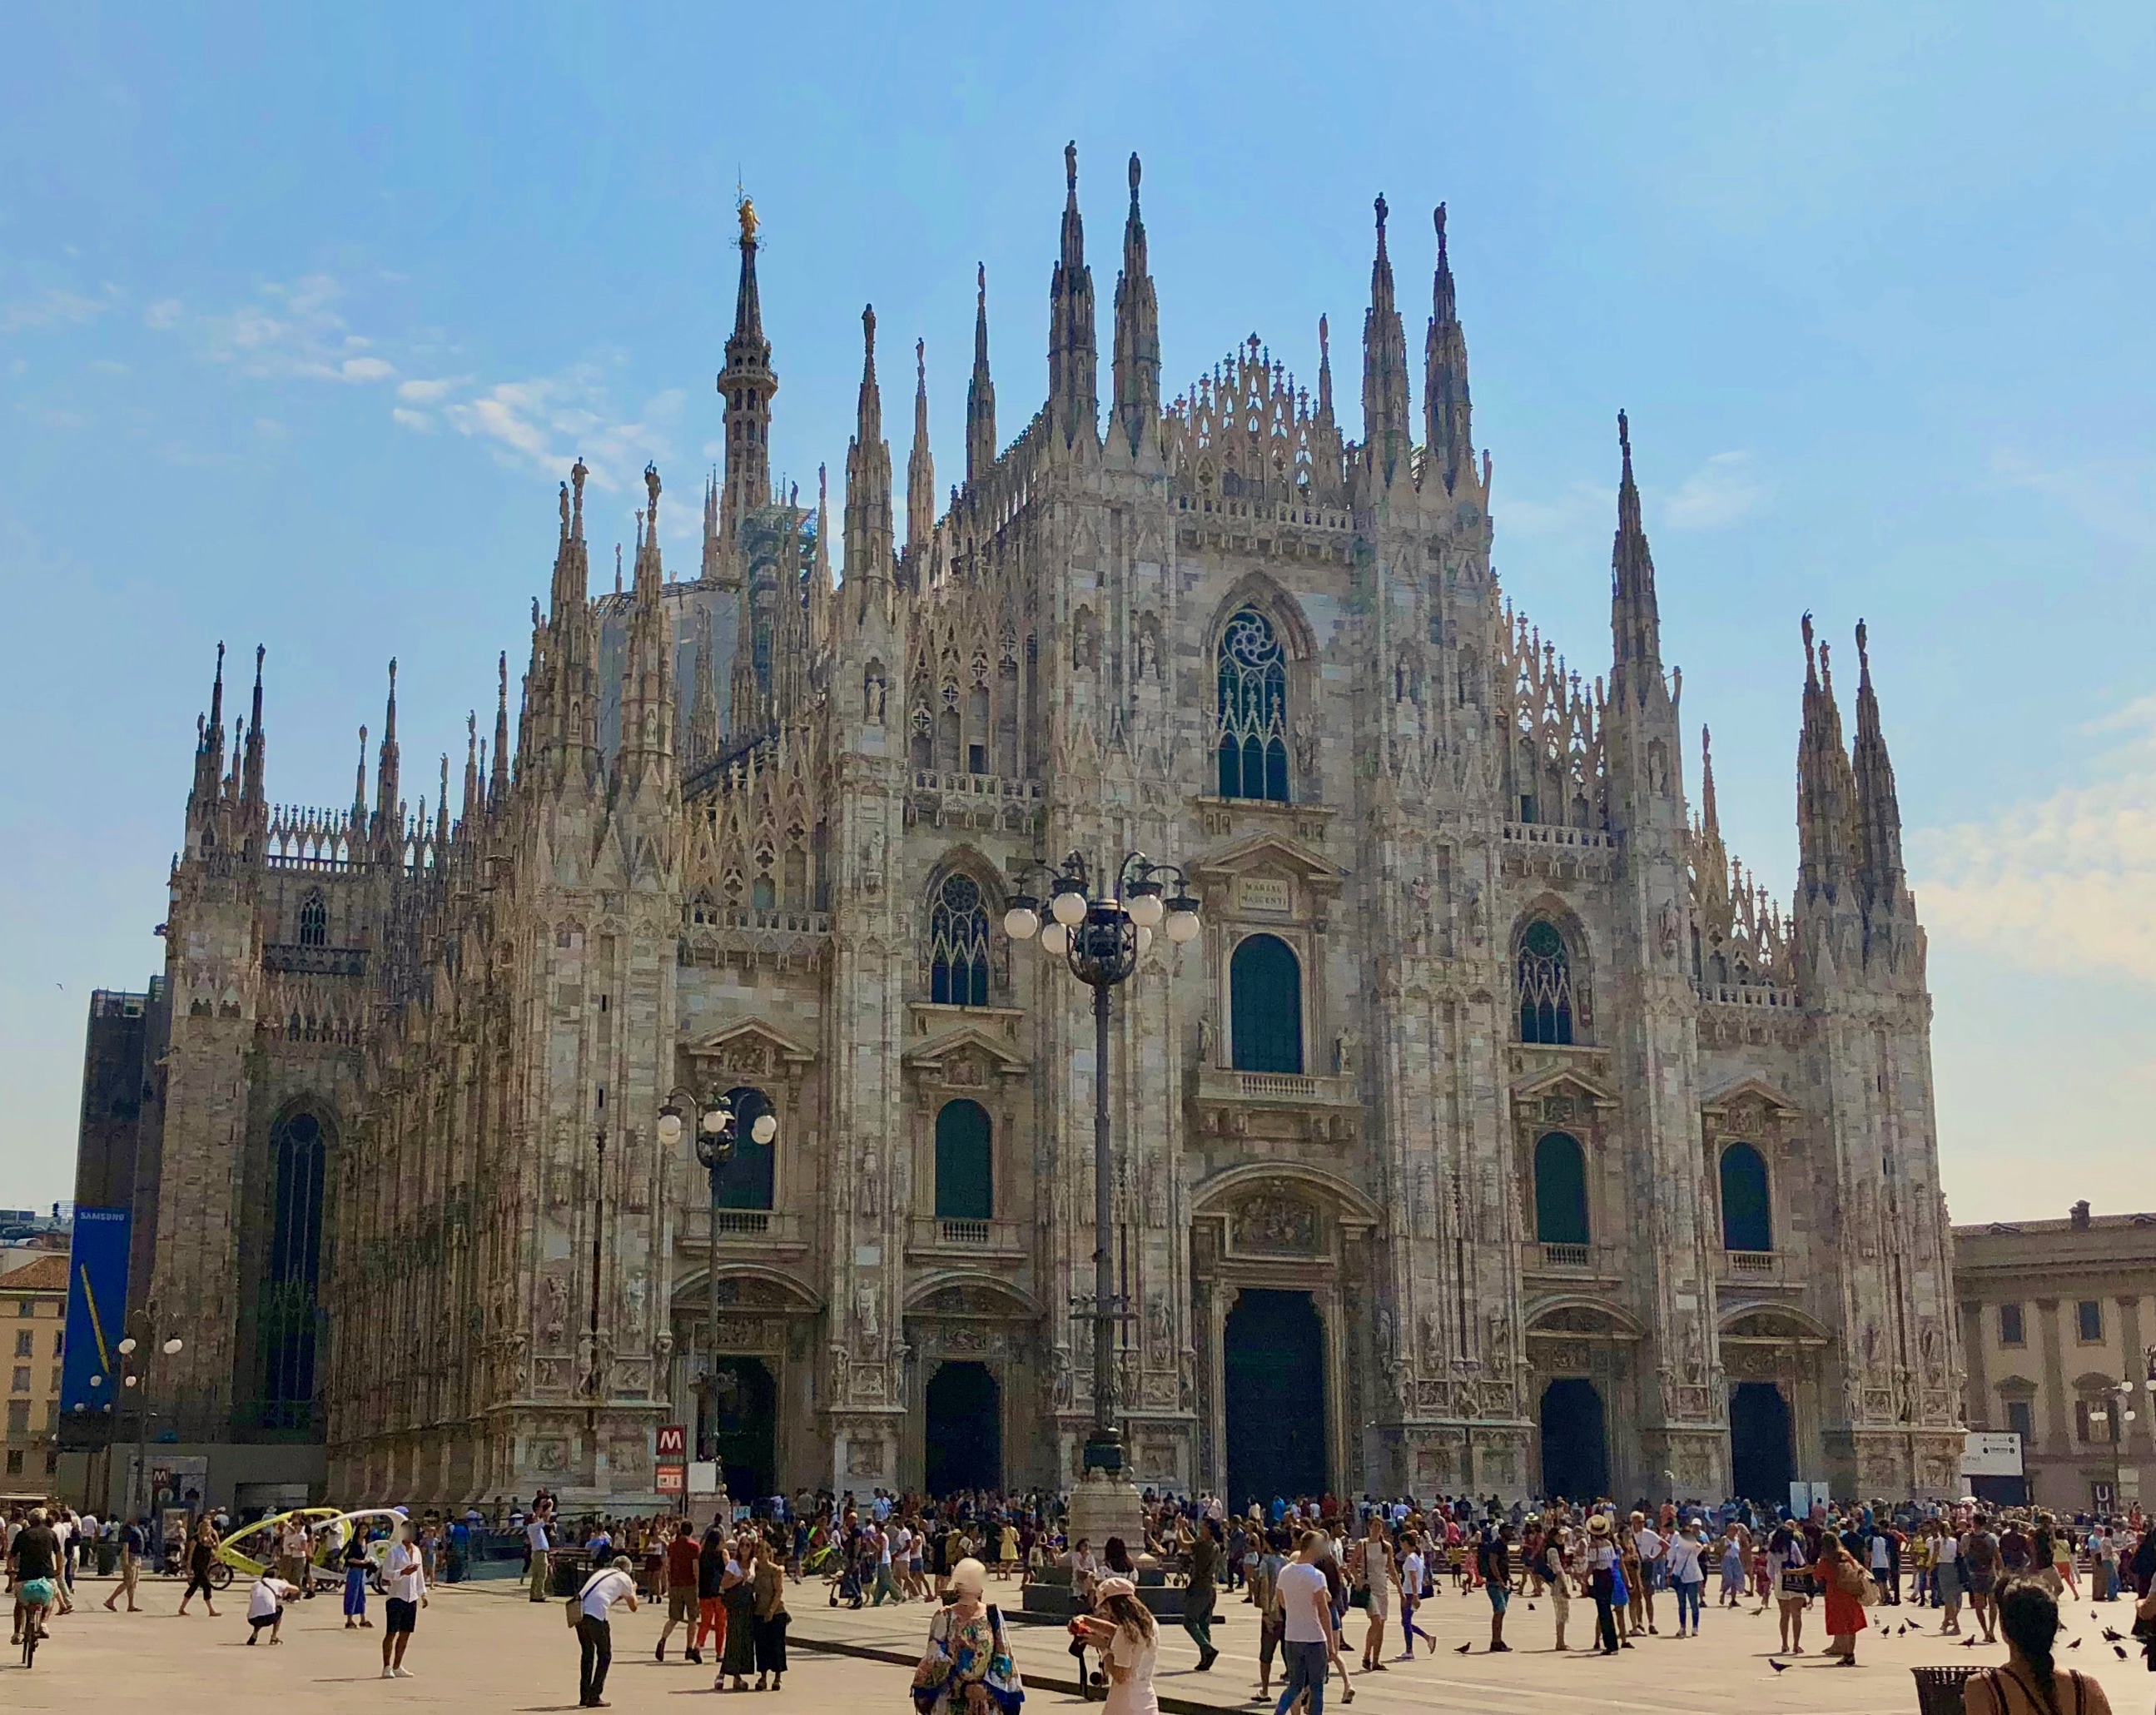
[595, 1634]
[1305, 1625]
[534, 1540]
[406, 1574]
[265, 1606]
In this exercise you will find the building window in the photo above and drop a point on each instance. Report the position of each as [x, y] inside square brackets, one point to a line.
[314, 920]
[959, 944]
[1265, 1006]
[965, 1162]
[18, 1417]
[2089, 1321]
[21, 1383]
[22, 1342]
[59, 1343]
[1747, 1222]
[288, 1317]
[747, 1177]
[2013, 1331]
[14, 1461]
[1544, 976]
[1252, 709]
[1560, 1190]
[2021, 1419]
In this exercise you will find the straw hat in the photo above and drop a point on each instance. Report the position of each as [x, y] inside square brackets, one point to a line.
[1109, 1587]
[1598, 1525]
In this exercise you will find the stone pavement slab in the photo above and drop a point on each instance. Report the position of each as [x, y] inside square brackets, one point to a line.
[486, 1647]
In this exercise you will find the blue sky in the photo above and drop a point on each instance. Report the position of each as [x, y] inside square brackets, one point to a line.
[301, 313]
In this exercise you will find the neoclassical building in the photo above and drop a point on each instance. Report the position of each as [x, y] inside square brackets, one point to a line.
[1497, 1134]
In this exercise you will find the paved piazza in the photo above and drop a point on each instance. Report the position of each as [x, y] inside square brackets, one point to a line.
[485, 1647]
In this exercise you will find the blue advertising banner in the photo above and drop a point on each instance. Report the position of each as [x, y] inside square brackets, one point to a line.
[96, 1312]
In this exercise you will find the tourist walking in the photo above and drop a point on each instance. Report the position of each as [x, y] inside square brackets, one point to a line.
[132, 1546]
[738, 1594]
[1493, 1565]
[404, 1573]
[967, 1653]
[609, 1584]
[1556, 1576]
[1793, 1583]
[201, 1556]
[681, 1586]
[2030, 1683]
[1687, 1575]
[768, 1582]
[1198, 1593]
[535, 1545]
[1980, 1571]
[1373, 1564]
[356, 1567]
[710, 1582]
[1306, 1626]
[1602, 1583]
[1415, 1584]
[1846, 1585]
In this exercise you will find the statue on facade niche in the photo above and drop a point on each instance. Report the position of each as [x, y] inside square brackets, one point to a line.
[1205, 1038]
[1343, 1055]
[1063, 1388]
[1432, 1339]
[871, 1183]
[554, 1309]
[866, 1326]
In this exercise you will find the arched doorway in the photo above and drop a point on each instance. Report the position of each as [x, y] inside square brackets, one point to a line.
[1763, 1460]
[965, 1429]
[1575, 1440]
[741, 1426]
[1275, 1362]
[1265, 1006]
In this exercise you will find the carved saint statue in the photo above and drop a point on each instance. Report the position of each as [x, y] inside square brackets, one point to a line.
[554, 1310]
[866, 1330]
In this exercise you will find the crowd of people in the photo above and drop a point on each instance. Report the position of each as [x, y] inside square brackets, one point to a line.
[1307, 1565]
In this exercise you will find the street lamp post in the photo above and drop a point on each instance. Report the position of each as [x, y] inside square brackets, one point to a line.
[1101, 940]
[141, 1333]
[718, 1129]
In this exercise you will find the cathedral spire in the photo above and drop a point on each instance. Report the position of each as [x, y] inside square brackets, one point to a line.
[1385, 442]
[1824, 790]
[646, 750]
[1324, 373]
[357, 832]
[919, 477]
[1635, 619]
[747, 385]
[468, 815]
[819, 570]
[250, 791]
[1448, 429]
[388, 830]
[1074, 391]
[980, 390]
[498, 784]
[868, 487]
[704, 705]
[707, 566]
[1710, 817]
[1137, 333]
[1878, 806]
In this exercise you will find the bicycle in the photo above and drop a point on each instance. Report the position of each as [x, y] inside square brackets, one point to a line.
[35, 1604]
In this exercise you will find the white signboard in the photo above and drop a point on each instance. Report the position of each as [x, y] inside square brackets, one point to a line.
[703, 1477]
[1991, 1453]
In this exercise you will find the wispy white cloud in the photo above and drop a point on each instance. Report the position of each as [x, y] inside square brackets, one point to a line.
[1575, 510]
[2111, 497]
[57, 306]
[164, 316]
[294, 331]
[1725, 491]
[2062, 883]
[425, 393]
[545, 424]
[419, 421]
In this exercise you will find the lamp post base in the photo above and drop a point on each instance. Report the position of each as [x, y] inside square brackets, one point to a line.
[1105, 1504]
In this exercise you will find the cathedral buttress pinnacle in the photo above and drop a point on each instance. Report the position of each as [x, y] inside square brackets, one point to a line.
[1074, 390]
[1138, 334]
[920, 477]
[747, 385]
[980, 390]
[1385, 438]
[1636, 623]
[1878, 806]
[1447, 419]
[868, 488]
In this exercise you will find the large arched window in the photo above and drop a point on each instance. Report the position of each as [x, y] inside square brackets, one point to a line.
[746, 1177]
[314, 920]
[1560, 1190]
[959, 944]
[1747, 1219]
[965, 1162]
[286, 1318]
[1253, 708]
[1544, 975]
[1265, 1006]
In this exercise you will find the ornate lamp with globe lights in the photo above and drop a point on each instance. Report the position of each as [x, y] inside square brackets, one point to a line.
[718, 1129]
[142, 1330]
[1101, 939]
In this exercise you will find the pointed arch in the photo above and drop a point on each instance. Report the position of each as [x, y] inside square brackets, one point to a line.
[1550, 969]
[961, 906]
[1260, 648]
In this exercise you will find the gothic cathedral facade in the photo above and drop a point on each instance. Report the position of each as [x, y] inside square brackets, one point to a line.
[1496, 1134]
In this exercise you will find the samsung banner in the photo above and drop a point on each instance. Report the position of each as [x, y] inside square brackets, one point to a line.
[96, 1313]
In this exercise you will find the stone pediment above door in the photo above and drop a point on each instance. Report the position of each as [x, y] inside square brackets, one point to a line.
[750, 1048]
[1563, 1094]
[1264, 875]
[964, 1055]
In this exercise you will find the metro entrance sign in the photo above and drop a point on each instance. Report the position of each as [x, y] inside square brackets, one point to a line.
[671, 1476]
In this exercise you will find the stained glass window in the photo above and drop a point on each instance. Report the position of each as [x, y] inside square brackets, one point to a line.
[1545, 986]
[959, 944]
[1253, 710]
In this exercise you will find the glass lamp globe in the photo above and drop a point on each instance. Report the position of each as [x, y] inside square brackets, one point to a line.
[1068, 908]
[127, 1347]
[669, 1127]
[130, 1381]
[1055, 940]
[765, 1128]
[1145, 938]
[173, 1346]
[1146, 907]
[1182, 926]
[96, 1381]
[715, 1121]
[1021, 922]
